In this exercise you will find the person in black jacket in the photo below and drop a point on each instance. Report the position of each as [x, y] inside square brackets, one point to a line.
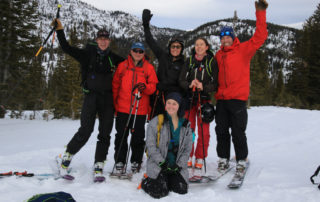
[98, 63]
[199, 77]
[170, 64]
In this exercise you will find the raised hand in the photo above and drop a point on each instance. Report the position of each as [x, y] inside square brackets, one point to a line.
[261, 5]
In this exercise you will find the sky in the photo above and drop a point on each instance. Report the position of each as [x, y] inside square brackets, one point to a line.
[189, 14]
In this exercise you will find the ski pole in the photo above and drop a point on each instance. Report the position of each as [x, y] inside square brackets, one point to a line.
[201, 124]
[132, 130]
[124, 132]
[50, 33]
[154, 104]
[192, 96]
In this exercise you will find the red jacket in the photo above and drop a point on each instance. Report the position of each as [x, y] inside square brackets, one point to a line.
[234, 63]
[125, 77]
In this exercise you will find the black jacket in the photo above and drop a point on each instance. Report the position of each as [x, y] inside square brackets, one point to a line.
[168, 70]
[208, 75]
[97, 67]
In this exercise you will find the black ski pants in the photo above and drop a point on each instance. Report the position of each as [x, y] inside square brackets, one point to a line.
[93, 104]
[137, 137]
[231, 114]
[160, 187]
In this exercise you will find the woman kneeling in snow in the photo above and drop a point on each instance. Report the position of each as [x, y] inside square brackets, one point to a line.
[169, 142]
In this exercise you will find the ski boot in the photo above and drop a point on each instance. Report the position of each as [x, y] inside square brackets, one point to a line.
[63, 169]
[223, 165]
[98, 172]
[135, 167]
[197, 173]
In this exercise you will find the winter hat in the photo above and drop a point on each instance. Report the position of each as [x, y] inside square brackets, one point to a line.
[138, 45]
[174, 96]
[227, 31]
[178, 40]
[103, 33]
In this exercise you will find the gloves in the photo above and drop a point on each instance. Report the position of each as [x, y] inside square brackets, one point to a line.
[56, 22]
[173, 169]
[146, 17]
[163, 165]
[140, 86]
[169, 170]
[261, 5]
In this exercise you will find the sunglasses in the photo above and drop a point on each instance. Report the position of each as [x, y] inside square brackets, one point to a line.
[227, 33]
[177, 47]
[138, 51]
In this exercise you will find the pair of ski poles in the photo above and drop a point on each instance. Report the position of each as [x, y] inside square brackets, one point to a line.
[137, 97]
[201, 123]
[50, 33]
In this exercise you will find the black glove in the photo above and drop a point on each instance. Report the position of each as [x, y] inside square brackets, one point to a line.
[140, 86]
[261, 5]
[173, 169]
[163, 165]
[146, 17]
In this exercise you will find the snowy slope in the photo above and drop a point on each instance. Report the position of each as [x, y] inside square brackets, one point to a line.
[283, 149]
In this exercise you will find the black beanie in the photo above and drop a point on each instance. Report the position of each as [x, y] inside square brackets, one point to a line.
[175, 96]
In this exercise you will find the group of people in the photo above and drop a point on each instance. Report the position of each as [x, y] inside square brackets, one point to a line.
[173, 98]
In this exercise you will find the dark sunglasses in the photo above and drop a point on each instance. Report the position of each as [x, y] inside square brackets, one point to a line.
[177, 47]
[138, 51]
[227, 33]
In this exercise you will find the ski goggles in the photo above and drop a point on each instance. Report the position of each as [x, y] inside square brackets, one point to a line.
[226, 33]
[138, 51]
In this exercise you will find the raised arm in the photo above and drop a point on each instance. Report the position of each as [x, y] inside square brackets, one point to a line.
[146, 17]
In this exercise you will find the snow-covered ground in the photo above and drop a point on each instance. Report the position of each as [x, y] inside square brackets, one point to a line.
[283, 150]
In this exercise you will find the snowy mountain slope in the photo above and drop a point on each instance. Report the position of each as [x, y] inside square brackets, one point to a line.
[125, 28]
[87, 18]
[283, 150]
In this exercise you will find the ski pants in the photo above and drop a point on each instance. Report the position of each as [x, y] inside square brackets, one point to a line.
[203, 136]
[137, 137]
[160, 187]
[93, 104]
[231, 114]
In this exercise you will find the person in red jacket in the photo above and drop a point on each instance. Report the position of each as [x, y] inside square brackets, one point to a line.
[134, 81]
[233, 89]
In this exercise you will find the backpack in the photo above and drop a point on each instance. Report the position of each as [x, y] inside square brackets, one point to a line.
[52, 197]
[159, 126]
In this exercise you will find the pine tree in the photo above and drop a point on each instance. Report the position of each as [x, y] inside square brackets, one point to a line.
[260, 84]
[18, 41]
[305, 78]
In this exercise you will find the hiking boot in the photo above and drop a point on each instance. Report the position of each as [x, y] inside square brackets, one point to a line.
[223, 164]
[135, 167]
[197, 173]
[98, 169]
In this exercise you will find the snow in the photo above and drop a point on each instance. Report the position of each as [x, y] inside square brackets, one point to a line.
[283, 151]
